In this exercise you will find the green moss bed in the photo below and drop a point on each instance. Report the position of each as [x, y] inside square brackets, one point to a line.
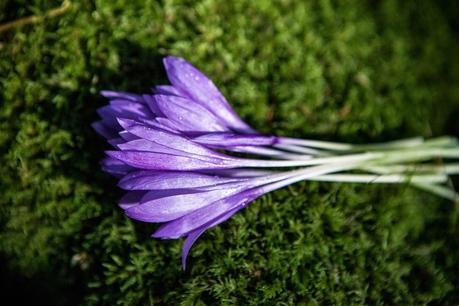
[354, 71]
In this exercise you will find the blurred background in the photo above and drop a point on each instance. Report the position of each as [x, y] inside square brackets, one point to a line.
[354, 71]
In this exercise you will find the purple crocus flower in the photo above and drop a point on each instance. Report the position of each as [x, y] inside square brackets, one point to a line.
[165, 154]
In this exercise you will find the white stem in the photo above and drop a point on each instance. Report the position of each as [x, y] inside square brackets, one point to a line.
[338, 146]
[299, 149]
[451, 169]
[391, 179]
[253, 163]
[315, 144]
[308, 173]
[442, 191]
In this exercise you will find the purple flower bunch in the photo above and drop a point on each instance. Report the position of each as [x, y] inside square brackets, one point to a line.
[173, 155]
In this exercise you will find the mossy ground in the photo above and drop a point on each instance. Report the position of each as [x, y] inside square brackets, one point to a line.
[343, 70]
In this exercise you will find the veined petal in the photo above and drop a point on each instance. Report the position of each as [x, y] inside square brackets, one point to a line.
[170, 125]
[143, 145]
[161, 161]
[172, 141]
[192, 83]
[189, 116]
[206, 215]
[173, 207]
[147, 146]
[233, 140]
[154, 180]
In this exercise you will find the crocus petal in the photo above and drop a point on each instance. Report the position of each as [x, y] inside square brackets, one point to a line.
[121, 95]
[131, 198]
[200, 217]
[151, 102]
[172, 141]
[116, 141]
[148, 146]
[160, 161]
[115, 167]
[168, 124]
[191, 82]
[189, 241]
[195, 234]
[176, 206]
[153, 180]
[103, 130]
[166, 90]
[187, 115]
[232, 140]
[127, 136]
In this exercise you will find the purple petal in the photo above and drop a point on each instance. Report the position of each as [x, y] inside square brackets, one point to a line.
[115, 167]
[103, 130]
[160, 161]
[124, 109]
[148, 146]
[173, 207]
[191, 82]
[151, 102]
[172, 141]
[206, 215]
[195, 234]
[231, 140]
[131, 198]
[153, 180]
[188, 115]
[167, 125]
[127, 136]
[189, 241]
[166, 90]
[121, 95]
[116, 141]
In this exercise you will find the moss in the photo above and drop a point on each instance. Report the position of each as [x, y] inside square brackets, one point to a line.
[352, 71]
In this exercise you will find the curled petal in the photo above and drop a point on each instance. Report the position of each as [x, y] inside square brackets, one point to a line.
[195, 234]
[189, 241]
